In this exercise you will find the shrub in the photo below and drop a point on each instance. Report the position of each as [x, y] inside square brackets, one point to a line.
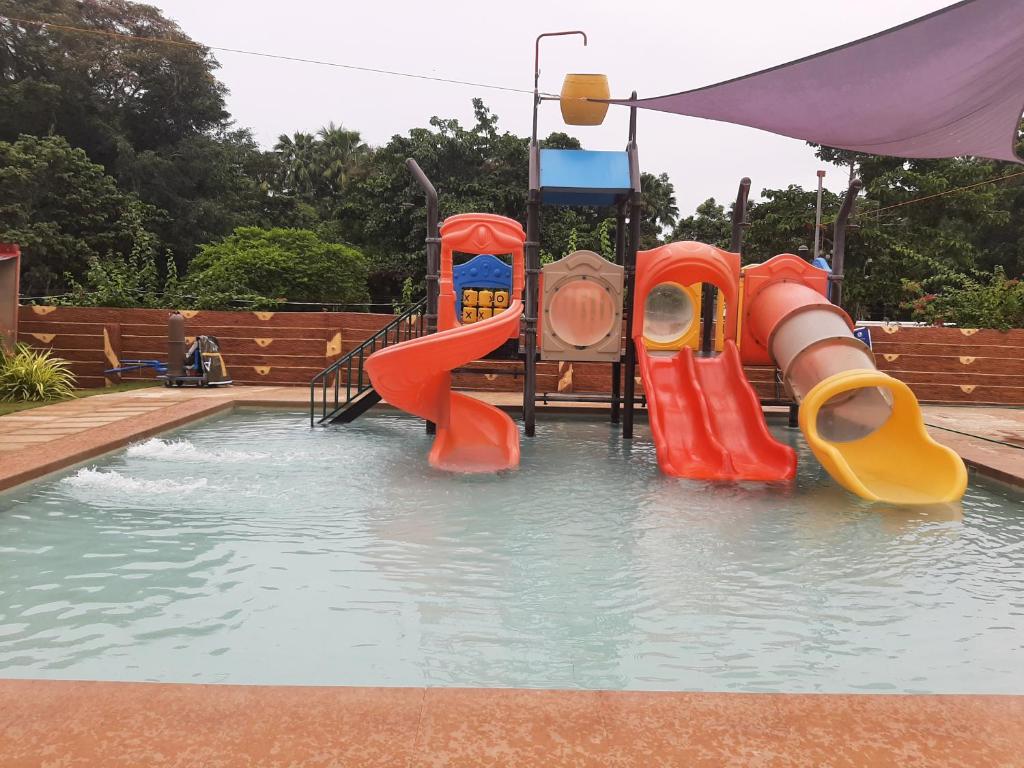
[266, 266]
[30, 374]
[134, 280]
[982, 301]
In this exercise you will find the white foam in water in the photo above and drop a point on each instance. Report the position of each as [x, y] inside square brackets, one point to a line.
[185, 450]
[114, 481]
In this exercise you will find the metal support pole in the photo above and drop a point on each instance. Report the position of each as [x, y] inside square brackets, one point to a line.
[531, 298]
[630, 383]
[635, 207]
[433, 241]
[536, 72]
[839, 241]
[817, 217]
[709, 293]
[620, 258]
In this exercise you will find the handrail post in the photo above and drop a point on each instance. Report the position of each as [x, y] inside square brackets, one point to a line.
[839, 241]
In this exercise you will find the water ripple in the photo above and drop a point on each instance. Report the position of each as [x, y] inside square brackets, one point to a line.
[252, 549]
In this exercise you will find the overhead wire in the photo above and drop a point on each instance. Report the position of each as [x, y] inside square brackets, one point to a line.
[262, 54]
[874, 212]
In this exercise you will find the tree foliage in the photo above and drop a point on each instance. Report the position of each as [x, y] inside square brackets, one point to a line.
[104, 92]
[268, 266]
[119, 164]
[64, 211]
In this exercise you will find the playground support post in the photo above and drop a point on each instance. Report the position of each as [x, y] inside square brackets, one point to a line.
[839, 241]
[709, 293]
[620, 259]
[635, 206]
[532, 271]
[817, 217]
[433, 242]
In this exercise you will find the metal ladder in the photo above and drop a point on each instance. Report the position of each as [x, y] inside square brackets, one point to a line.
[345, 391]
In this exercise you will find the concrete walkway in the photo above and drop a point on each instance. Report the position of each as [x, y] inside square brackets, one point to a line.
[68, 723]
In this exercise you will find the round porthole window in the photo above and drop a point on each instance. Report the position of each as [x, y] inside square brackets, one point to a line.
[582, 312]
[668, 313]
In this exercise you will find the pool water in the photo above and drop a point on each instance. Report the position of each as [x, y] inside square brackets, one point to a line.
[251, 549]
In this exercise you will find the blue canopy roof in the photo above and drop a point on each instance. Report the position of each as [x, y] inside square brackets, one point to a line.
[583, 177]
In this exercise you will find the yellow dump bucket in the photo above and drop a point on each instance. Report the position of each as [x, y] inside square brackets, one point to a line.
[576, 90]
[469, 297]
[500, 299]
[484, 312]
[898, 462]
[469, 314]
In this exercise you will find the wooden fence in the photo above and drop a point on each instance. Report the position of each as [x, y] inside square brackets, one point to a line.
[948, 365]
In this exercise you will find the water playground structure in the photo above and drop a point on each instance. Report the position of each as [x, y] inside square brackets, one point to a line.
[693, 317]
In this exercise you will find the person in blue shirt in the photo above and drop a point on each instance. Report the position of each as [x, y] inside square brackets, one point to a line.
[820, 262]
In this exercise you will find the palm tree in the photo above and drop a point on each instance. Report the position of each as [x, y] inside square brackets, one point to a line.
[341, 151]
[659, 207]
[301, 169]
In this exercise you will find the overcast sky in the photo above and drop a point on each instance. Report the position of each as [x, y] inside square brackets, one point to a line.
[654, 47]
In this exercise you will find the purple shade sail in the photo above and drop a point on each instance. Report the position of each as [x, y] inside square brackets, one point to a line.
[947, 84]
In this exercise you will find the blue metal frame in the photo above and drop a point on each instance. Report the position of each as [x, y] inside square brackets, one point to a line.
[484, 271]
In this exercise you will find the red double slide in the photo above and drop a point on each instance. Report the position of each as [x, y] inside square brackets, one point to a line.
[706, 418]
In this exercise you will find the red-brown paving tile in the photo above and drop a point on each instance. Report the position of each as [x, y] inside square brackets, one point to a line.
[693, 729]
[59, 723]
[510, 727]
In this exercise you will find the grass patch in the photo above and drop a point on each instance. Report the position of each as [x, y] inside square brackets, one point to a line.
[125, 386]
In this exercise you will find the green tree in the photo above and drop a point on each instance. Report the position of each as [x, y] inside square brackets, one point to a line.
[659, 211]
[267, 266]
[300, 166]
[104, 92]
[209, 185]
[709, 224]
[64, 211]
[341, 153]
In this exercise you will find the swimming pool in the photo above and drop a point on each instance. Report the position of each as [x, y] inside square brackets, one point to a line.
[251, 549]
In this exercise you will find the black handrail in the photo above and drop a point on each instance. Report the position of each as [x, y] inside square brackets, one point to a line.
[411, 324]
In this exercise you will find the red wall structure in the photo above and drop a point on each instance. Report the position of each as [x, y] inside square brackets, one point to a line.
[947, 365]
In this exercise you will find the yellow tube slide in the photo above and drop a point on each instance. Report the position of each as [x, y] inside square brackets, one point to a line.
[865, 427]
[897, 462]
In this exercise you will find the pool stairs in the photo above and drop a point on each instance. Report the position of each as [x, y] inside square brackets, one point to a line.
[342, 391]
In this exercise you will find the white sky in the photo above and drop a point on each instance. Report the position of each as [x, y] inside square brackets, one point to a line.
[652, 46]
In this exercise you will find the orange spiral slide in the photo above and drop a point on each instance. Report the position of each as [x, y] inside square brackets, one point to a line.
[415, 376]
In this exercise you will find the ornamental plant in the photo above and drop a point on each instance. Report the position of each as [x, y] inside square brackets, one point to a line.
[30, 374]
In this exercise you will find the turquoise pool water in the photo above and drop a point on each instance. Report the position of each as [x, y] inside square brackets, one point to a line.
[251, 549]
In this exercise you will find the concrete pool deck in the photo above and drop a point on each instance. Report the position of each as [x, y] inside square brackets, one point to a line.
[44, 723]
[156, 724]
[45, 439]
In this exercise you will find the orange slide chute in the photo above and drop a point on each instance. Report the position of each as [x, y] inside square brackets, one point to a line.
[705, 417]
[415, 376]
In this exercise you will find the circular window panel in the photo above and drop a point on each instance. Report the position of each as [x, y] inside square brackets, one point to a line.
[668, 313]
[581, 313]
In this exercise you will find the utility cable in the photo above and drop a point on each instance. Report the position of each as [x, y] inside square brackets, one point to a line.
[913, 200]
[320, 62]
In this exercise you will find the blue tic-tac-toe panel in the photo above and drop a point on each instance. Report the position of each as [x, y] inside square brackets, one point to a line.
[485, 271]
